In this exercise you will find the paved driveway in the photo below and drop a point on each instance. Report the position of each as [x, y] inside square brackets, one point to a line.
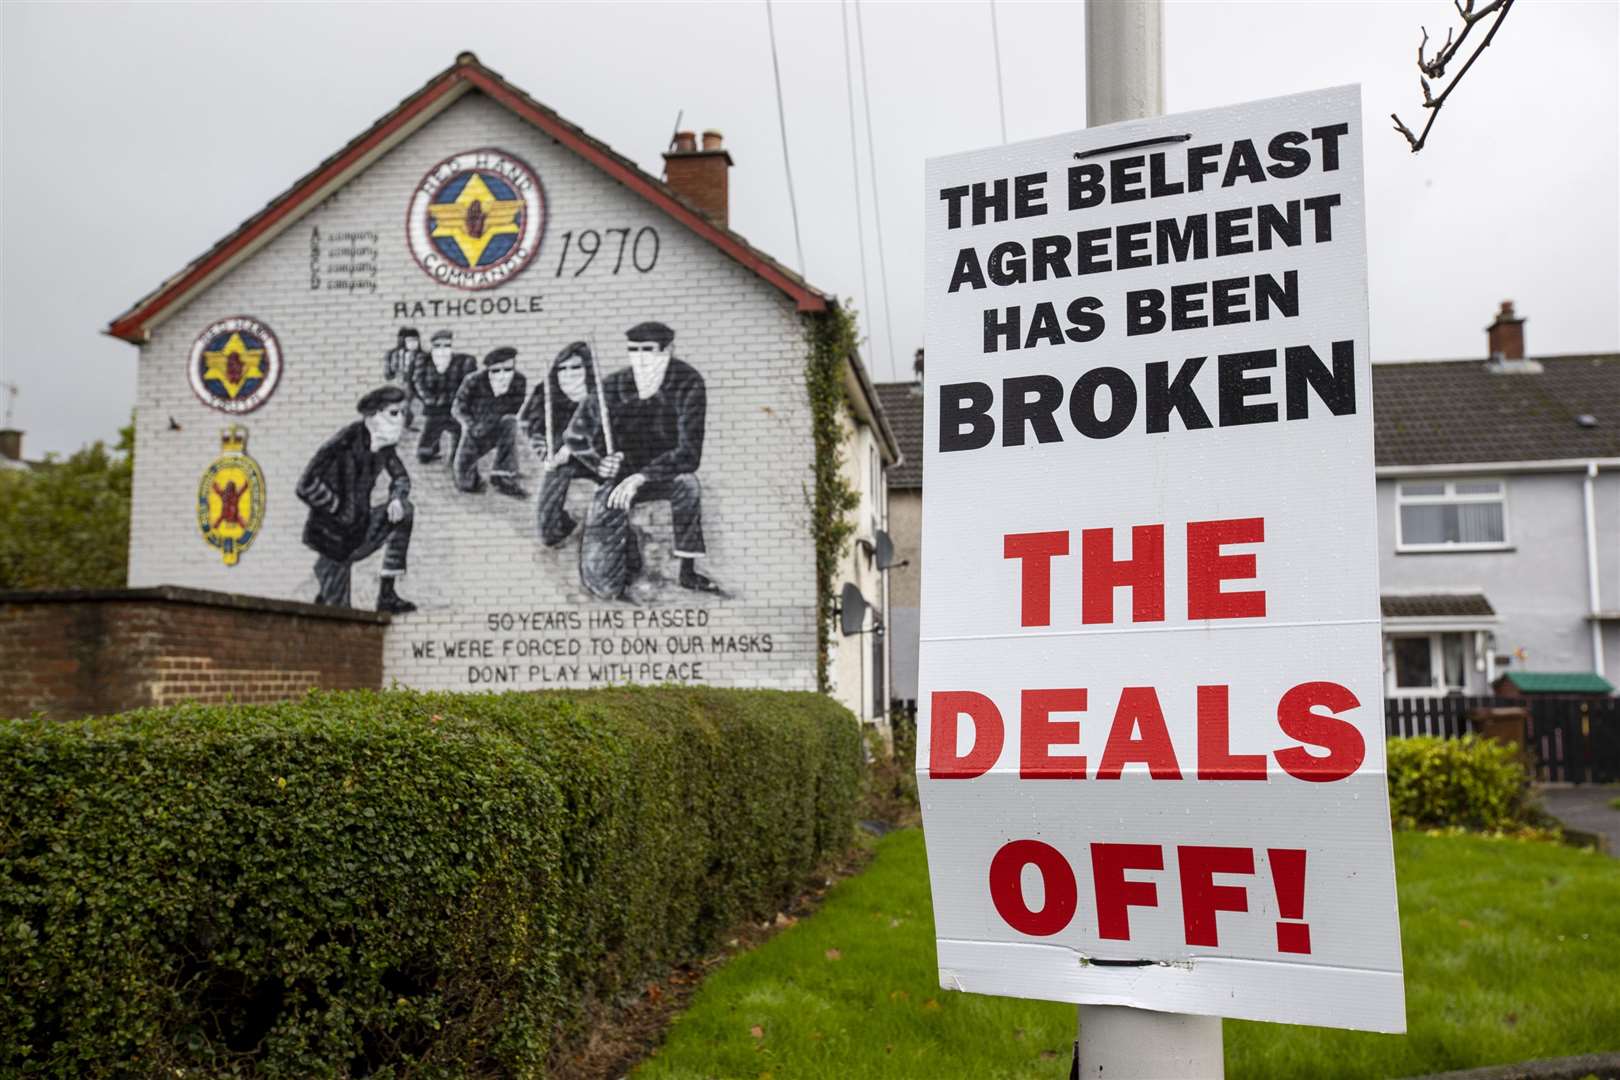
[1586, 807]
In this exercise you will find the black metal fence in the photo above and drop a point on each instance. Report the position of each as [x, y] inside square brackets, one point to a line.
[1572, 739]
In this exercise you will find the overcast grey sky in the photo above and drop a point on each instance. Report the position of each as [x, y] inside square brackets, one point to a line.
[135, 136]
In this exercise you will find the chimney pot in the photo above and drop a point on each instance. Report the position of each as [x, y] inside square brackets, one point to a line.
[11, 444]
[701, 177]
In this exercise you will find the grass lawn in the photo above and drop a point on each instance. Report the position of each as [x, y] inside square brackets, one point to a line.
[1512, 952]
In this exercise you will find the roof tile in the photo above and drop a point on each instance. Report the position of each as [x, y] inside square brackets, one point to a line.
[1458, 411]
[902, 404]
[1559, 682]
[1435, 605]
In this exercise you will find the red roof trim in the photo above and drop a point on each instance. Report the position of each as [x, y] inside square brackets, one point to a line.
[807, 298]
[132, 325]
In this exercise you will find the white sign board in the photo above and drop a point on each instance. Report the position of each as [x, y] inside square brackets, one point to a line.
[1151, 736]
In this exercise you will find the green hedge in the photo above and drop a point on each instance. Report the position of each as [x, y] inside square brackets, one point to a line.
[1469, 783]
[389, 884]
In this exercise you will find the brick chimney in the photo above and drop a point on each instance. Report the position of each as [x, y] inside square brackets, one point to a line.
[701, 177]
[11, 444]
[1506, 339]
[1506, 334]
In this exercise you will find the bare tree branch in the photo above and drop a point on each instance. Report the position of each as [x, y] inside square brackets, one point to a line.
[1435, 66]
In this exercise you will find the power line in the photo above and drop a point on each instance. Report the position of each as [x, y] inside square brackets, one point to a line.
[995, 43]
[877, 203]
[781, 119]
[855, 171]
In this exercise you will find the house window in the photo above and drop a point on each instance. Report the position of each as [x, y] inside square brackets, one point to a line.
[1461, 515]
[1428, 663]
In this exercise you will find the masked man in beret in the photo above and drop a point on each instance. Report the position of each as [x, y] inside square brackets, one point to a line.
[487, 406]
[435, 378]
[398, 363]
[657, 408]
[344, 527]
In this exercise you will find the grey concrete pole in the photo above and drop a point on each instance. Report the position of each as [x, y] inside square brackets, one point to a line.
[1125, 81]
[1124, 60]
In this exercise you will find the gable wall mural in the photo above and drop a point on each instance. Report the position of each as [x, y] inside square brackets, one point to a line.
[486, 388]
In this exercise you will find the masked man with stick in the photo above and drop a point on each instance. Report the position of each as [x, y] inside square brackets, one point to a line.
[545, 418]
[642, 437]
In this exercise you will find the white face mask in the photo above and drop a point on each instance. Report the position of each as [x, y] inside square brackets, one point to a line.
[648, 366]
[571, 377]
[441, 357]
[500, 379]
[386, 426]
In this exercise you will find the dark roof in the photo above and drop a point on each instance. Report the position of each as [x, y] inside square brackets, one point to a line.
[1435, 605]
[1458, 411]
[1558, 682]
[902, 404]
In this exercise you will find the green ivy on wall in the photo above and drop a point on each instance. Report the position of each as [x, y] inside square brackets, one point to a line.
[832, 338]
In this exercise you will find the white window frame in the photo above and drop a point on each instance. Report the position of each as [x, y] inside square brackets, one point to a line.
[1437, 663]
[1450, 497]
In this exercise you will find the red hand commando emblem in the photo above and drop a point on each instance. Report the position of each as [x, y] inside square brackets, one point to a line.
[230, 505]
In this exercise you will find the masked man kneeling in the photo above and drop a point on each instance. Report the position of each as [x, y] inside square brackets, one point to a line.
[486, 406]
[344, 527]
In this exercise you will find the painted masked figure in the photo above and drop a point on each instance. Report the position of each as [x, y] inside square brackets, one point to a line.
[546, 418]
[398, 364]
[486, 406]
[344, 527]
[655, 411]
[435, 378]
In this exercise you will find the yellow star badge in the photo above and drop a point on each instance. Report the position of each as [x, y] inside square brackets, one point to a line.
[233, 364]
[475, 218]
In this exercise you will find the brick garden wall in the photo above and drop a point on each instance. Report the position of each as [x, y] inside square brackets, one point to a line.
[80, 653]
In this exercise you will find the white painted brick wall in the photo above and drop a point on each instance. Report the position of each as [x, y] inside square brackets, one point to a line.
[474, 556]
[850, 660]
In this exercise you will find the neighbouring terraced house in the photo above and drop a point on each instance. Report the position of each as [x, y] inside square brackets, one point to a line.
[1498, 484]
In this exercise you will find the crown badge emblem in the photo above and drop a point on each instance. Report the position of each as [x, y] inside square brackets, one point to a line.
[230, 497]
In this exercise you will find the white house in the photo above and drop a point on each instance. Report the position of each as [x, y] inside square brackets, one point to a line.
[1499, 515]
[480, 371]
[1498, 484]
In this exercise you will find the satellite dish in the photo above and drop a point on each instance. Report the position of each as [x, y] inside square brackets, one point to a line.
[852, 610]
[885, 550]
